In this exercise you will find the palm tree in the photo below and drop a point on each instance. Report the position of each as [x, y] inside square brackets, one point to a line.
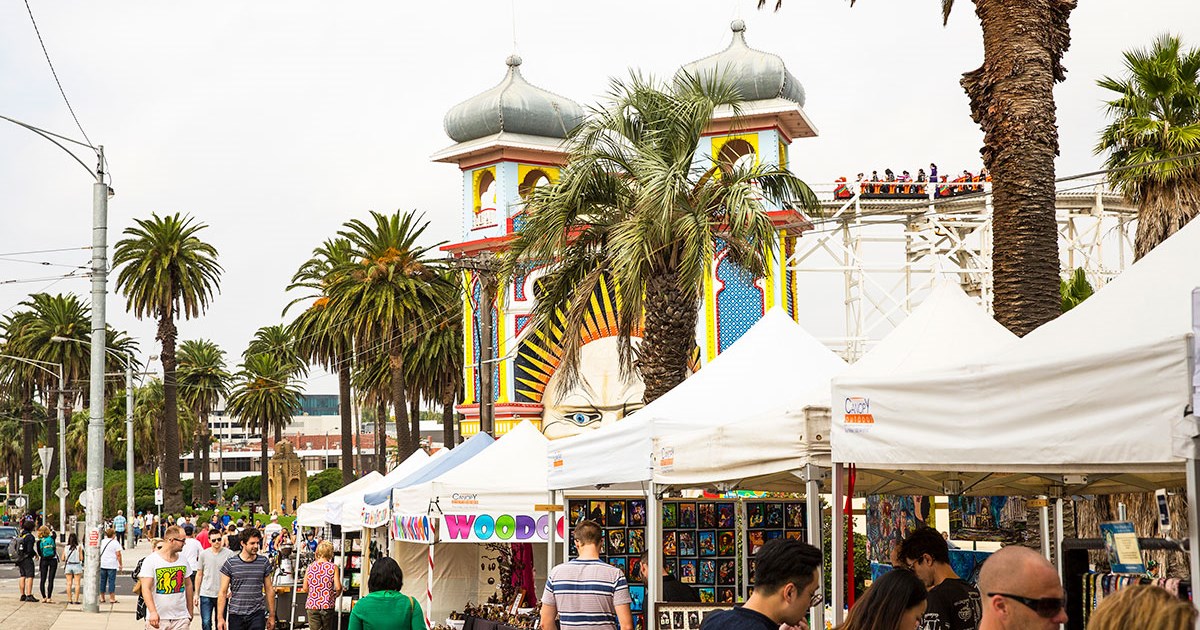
[437, 358]
[633, 212]
[383, 294]
[372, 379]
[167, 271]
[1154, 136]
[1012, 99]
[321, 338]
[18, 381]
[265, 397]
[277, 341]
[1075, 290]
[203, 381]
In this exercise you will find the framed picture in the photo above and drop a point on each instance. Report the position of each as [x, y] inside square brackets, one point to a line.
[677, 619]
[616, 541]
[750, 568]
[725, 515]
[620, 563]
[774, 514]
[597, 510]
[639, 621]
[638, 595]
[670, 544]
[616, 514]
[516, 602]
[693, 619]
[794, 516]
[726, 543]
[727, 572]
[670, 515]
[664, 620]
[794, 535]
[687, 571]
[687, 516]
[579, 511]
[635, 569]
[708, 515]
[772, 534]
[687, 543]
[756, 542]
[726, 595]
[707, 543]
[755, 515]
[707, 573]
[637, 513]
[708, 595]
[672, 566]
[637, 541]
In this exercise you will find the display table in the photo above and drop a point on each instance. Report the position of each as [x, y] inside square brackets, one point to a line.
[476, 623]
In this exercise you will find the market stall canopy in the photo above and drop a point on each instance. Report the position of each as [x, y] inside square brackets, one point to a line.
[432, 469]
[760, 371]
[313, 513]
[1094, 400]
[346, 509]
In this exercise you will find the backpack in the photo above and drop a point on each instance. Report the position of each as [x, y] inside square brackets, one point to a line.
[47, 547]
[14, 549]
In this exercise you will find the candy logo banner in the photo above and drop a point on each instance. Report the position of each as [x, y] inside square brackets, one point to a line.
[482, 528]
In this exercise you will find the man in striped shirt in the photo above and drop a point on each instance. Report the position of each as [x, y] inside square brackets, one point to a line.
[586, 593]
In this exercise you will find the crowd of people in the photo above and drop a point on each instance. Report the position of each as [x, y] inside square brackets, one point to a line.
[906, 186]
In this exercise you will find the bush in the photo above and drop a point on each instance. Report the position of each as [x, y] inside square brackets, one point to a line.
[247, 489]
[324, 482]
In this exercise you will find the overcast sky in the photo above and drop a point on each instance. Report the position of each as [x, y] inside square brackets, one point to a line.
[275, 122]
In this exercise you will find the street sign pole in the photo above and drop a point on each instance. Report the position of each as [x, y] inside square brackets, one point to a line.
[46, 455]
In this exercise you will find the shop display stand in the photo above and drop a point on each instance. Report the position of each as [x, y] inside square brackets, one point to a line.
[349, 558]
[1076, 565]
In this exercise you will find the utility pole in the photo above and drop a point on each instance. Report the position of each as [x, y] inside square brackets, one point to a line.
[485, 267]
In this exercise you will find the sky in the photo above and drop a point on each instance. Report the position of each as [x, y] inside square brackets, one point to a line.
[275, 122]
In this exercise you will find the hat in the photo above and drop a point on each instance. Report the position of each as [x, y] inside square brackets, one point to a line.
[274, 517]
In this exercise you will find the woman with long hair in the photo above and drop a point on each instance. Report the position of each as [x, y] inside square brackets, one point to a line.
[1143, 606]
[385, 607]
[72, 559]
[896, 601]
[47, 563]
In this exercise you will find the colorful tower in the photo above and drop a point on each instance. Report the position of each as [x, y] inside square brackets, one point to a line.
[508, 140]
[770, 118]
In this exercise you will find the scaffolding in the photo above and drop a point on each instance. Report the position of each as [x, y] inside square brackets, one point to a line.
[890, 249]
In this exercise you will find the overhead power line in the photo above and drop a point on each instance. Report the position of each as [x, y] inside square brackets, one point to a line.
[55, 73]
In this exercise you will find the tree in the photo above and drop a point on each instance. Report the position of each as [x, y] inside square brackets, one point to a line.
[1075, 290]
[384, 292]
[203, 381]
[323, 339]
[632, 210]
[435, 361]
[166, 271]
[1154, 137]
[373, 381]
[265, 397]
[276, 341]
[1012, 100]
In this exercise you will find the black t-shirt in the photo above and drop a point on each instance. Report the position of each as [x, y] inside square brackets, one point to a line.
[739, 618]
[234, 542]
[952, 605]
[676, 591]
[28, 546]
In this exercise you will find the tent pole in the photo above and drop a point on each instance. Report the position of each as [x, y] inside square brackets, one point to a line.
[429, 590]
[653, 555]
[1058, 533]
[838, 551]
[295, 578]
[813, 513]
[1045, 530]
[1193, 509]
[552, 532]
[343, 563]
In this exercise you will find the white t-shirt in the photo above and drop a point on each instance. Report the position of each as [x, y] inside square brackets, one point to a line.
[191, 553]
[210, 563]
[270, 530]
[167, 580]
[109, 548]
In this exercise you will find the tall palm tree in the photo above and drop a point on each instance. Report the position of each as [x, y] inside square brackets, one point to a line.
[372, 379]
[384, 292]
[203, 381]
[166, 271]
[321, 338]
[437, 358]
[18, 380]
[1156, 118]
[277, 341]
[148, 420]
[1012, 99]
[633, 211]
[265, 396]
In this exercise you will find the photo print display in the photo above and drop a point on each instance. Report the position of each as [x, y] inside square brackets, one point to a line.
[670, 544]
[637, 513]
[706, 542]
[708, 515]
[687, 543]
[616, 514]
[708, 595]
[616, 541]
[687, 516]
[596, 511]
[726, 543]
[635, 569]
[725, 514]
[670, 515]
[636, 542]
[687, 570]
[707, 572]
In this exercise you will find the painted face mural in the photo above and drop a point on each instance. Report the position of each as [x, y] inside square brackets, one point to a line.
[603, 395]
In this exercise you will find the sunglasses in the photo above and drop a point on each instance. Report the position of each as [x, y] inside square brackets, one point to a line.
[1045, 607]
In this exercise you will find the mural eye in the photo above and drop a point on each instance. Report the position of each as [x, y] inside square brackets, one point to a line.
[584, 418]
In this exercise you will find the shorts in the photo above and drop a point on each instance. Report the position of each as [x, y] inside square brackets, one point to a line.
[320, 619]
[170, 624]
[108, 581]
[26, 567]
[74, 568]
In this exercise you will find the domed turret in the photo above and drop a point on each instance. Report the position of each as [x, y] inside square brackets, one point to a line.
[513, 106]
[757, 75]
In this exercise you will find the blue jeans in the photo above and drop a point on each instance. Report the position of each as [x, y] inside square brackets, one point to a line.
[207, 606]
[108, 581]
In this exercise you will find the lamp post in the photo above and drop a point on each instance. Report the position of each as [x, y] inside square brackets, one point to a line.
[62, 439]
[101, 191]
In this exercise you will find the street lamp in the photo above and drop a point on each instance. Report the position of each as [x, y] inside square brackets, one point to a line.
[101, 192]
[62, 439]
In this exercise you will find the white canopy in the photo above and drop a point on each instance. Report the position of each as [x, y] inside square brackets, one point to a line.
[771, 360]
[509, 477]
[345, 509]
[1099, 391]
[314, 513]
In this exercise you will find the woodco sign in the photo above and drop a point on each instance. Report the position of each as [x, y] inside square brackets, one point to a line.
[482, 528]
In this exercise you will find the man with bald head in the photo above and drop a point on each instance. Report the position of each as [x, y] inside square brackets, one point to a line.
[1021, 591]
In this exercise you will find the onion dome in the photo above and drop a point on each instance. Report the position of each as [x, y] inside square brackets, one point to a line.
[513, 106]
[757, 75]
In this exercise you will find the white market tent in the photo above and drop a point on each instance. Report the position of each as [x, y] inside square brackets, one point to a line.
[1094, 401]
[345, 509]
[314, 513]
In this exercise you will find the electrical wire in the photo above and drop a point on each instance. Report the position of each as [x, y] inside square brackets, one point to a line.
[45, 251]
[55, 73]
[44, 263]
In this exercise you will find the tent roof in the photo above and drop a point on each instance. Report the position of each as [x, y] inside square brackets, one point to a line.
[432, 469]
[770, 361]
[312, 513]
[1098, 394]
[345, 508]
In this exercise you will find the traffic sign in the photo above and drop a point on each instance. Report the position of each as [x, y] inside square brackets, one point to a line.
[20, 501]
[46, 454]
[158, 496]
[62, 493]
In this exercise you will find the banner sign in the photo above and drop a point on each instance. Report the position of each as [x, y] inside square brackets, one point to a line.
[376, 515]
[1121, 543]
[484, 528]
[418, 529]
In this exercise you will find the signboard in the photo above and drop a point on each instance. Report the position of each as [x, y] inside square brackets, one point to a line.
[418, 529]
[93, 537]
[46, 454]
[1124, 553]
[375, 515]
[62, 493]
[484, 528]
[158, 496]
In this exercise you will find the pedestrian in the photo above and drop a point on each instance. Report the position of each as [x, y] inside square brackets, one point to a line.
[953, 604]
[47, 563]
[896, 601]
[166, 578]
[191, 548]
[236, 501]
[672, 589]
[150, 531]
[385, 607]
[1021, 591]
[139, 523]
[209, 577]
[323, 582]
[119, 524]
[273, 528]
[1143, 606]
[73, 561]
[246, 593]
[202, 535]
[26, 552]
[156, 545]
[110, 563]
[605, 606]
[233, 539]
[787, 576]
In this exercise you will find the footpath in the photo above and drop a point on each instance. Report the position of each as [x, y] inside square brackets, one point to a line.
[59, 616]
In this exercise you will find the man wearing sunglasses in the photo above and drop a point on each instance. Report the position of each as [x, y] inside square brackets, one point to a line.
[1021, 591]
[165, 586]
[787, 578]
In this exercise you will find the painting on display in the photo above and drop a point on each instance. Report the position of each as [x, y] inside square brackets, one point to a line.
[1001, 519]
[890, 518]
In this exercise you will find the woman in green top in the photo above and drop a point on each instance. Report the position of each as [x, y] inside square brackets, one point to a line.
[385, 607]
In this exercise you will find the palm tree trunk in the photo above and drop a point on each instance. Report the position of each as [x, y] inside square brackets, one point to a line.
[52, 432]
[448, 418]
[670, 333]
[381, 435]
[173, 488]
[278, 433]
[264, 490]
[1012, 99]
[414, 419]
[400, 403]
[205, 472]
[348, 467]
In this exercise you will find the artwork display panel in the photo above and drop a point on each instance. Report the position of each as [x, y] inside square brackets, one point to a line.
[623, 539]
[699, 540]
